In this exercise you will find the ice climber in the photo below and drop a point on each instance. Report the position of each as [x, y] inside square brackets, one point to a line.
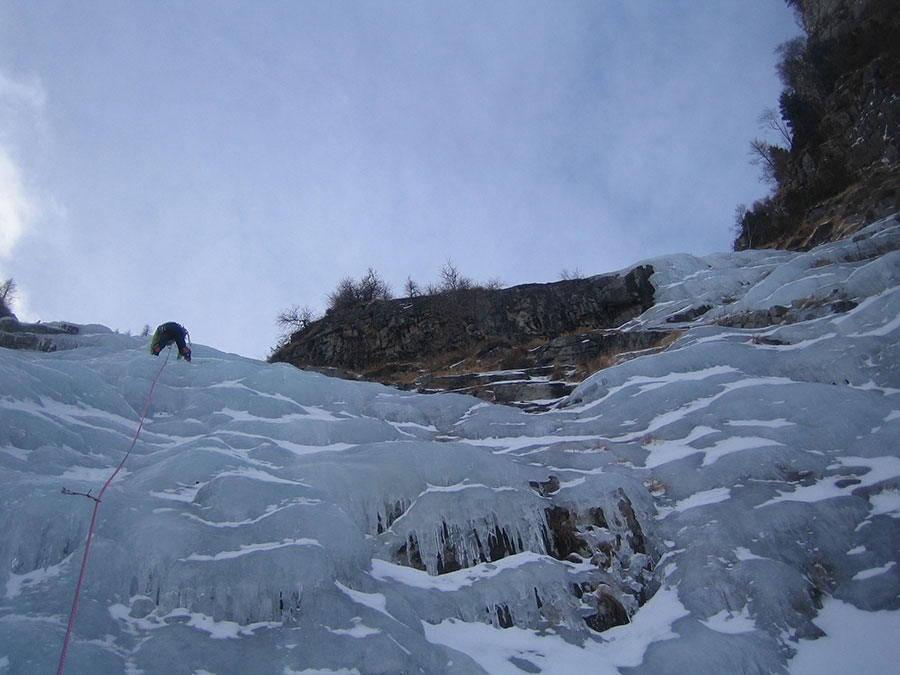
[170, 332]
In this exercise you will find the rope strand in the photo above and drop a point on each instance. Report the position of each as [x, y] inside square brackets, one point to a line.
[97, 500]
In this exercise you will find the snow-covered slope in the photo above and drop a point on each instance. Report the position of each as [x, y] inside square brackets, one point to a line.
[713, 508]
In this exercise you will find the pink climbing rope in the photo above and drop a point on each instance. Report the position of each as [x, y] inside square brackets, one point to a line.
[90, 536]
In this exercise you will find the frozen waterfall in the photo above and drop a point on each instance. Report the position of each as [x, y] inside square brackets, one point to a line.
[713, 508]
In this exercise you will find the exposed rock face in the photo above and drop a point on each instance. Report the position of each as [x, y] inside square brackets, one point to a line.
[842, 170]
[35, 336]
[519, 327]
[828, 19]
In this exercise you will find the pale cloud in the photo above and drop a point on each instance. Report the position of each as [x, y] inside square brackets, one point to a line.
[27, 92]
[22, 102]
[16, 209]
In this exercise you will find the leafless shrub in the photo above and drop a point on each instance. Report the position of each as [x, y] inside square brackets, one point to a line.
[295, 318]
[350, 292]
[7, 296]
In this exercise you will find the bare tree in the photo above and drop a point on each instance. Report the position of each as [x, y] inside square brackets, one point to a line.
[295, 318]
[373, 287]
[349, 293]
[760, 156]
[8, 290]
[411, 288]
[344, 295]
[452, 280]
[771, 159]
[772, 120]
[792, 68]
[741, 227]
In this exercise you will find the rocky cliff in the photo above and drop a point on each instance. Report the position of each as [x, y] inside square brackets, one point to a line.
[842, 109]
[455, 340]
[34, 336]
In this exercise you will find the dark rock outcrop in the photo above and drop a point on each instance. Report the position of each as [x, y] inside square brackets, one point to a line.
[33, 336]
[842, 169]
[365, 337]
[414, 342]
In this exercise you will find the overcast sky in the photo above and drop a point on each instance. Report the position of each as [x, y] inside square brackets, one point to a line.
[213, 162]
